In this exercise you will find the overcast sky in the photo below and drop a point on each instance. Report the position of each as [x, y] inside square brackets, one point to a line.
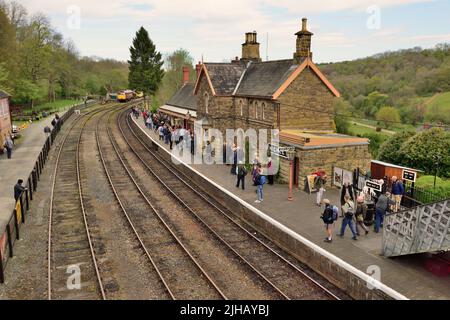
[214, 29]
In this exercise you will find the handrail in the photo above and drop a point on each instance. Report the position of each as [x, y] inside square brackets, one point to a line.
[11, 233]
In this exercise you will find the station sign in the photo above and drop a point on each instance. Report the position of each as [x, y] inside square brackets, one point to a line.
[409, 175]
[282, 152]
[374, 186]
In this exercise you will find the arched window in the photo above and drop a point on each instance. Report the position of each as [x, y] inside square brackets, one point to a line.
[263, 107]
[256, 106]
[241, 108]
[206, 97]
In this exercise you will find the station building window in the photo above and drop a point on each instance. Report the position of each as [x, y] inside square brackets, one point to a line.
[206, 97]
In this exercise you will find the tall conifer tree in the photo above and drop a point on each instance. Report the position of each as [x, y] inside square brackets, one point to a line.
[145, 64]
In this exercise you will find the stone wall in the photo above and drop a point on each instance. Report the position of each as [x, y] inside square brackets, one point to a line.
[345, 157]
[307, 104]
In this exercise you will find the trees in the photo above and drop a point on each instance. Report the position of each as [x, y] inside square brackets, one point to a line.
[38, 65]
[145, 65]
[390, 149]
[173, 76]
[388, 115]
[426, 149]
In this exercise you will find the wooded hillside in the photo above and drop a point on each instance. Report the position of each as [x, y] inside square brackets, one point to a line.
[38, 65]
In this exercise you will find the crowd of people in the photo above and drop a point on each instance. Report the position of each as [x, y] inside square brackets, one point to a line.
[354, 215]
[171, 135]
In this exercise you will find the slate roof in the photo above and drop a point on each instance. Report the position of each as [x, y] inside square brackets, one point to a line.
[184, 98]
[224, 76]
[4, 95]
[262, 79]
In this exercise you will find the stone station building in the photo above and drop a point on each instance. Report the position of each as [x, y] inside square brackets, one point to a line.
[290, 95]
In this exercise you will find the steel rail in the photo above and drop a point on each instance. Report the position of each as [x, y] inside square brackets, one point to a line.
[138, 237]
[249, 234]
[52, 193]
[199, 267]
[202, 222]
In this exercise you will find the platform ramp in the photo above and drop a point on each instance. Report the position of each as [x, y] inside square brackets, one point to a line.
[417, 230]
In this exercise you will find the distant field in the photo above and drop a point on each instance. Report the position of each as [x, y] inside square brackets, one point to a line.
[394, 127]
[361, 130]
[440, 105]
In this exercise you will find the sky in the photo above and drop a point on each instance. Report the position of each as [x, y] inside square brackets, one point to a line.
[214, 29]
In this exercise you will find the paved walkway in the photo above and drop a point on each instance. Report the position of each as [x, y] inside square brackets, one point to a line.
[404, 274]
[20, 166]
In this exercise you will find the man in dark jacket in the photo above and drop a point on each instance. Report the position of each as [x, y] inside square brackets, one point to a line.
[381, 207]
[18, 189]
[397, 190]
[242, 173]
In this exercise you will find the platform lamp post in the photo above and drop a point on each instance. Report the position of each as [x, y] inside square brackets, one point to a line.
[291, 156]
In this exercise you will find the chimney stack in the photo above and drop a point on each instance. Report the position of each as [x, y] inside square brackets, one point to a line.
[185, 75]
[250, 49]
[303, 43]
[198, 68]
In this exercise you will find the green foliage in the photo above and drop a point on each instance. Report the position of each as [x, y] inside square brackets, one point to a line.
[341, 111]
[26, 90]
[145, 64]
[173, 76]
[390, 149]
[427, 148]
[387, 115]
[439, 109]
[393, 78]
[40, 66]
[442, 189]
[375, 140]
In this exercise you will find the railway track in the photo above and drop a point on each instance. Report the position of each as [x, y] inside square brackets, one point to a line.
[177, 268]
[256, 252]
[70, 250]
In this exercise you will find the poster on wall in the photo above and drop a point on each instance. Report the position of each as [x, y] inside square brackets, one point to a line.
[337, 177]
[347, 177]
[310, 183]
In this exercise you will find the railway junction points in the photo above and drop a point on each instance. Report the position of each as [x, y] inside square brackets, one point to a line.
[133, 226]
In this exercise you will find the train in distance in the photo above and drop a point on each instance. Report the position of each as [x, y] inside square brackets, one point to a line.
[125, 95]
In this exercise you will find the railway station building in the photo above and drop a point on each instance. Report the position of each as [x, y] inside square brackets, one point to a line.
[5, 117]
[182, 106]
[290, 95]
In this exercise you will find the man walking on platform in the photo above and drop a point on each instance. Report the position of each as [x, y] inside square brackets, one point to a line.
[242, 173]
[349, 211]
[380, 210]
[9, 145]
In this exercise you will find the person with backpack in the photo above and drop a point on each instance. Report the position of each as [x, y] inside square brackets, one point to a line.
[241, 174]
[261, 181]
[329, 216]
[349, 211]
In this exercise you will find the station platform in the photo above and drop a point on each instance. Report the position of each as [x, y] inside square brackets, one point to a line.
[22, 162]
[406, 275]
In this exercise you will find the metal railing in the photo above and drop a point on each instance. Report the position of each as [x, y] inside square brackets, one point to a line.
[12, 231]
[420, 229]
